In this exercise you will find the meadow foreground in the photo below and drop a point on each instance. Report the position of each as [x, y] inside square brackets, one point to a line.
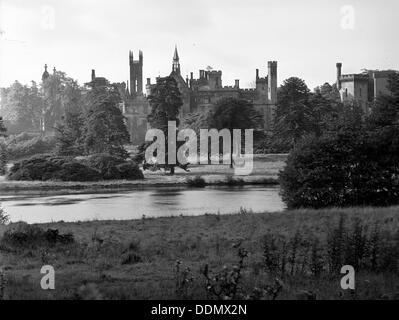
[291, 255]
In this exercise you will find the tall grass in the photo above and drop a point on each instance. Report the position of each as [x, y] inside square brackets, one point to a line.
[364, 248]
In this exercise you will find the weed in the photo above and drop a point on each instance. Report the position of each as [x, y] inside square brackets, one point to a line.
[224, 285]
[183, 280]
[4, 218]
[131, 254]
[2, 284]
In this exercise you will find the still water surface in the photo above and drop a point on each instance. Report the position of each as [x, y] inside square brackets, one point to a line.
[162, 201]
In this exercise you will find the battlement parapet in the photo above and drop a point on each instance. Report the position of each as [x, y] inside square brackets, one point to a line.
[354, 76]
[262, 79]
[229, 87]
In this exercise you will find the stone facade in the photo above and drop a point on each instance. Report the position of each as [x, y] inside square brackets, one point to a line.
[362, 88]
[197, 94]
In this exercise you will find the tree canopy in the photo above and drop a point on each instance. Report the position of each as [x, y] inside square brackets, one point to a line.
[293, 113]
[39, 107]
[104, 126]
[165, 101]
[353, 162]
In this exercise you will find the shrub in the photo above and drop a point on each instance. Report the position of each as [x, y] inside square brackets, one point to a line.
[129, 171]
[75, 171]
[111, 167]
[41, 167]
[23, 235]
[346, 169]
[197, 182]
[48, 167]
[105, 164]
[26, 145]
[234, 181]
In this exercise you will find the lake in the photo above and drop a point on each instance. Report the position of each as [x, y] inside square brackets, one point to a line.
[133, 204]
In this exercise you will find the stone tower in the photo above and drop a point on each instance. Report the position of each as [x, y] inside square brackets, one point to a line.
[136, 74]
[272, 82]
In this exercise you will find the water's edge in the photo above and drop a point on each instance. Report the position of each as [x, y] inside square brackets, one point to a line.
[49, 206]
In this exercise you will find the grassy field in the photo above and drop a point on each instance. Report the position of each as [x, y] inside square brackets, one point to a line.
[171, 258]
[266, 168]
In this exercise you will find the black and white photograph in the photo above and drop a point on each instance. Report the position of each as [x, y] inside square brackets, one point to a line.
[199, 155]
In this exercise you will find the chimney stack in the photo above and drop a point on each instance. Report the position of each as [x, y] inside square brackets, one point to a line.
[93, 74]
[237, 84]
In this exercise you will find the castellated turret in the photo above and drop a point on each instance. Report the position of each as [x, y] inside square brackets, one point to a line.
[214, 78]
[272, 82]
[339, 73]
[136, 74]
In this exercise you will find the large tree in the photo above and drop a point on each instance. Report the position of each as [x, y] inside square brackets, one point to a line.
[385, 111]
[324, 112]
[328, 91]
[39, 107]
[233, 113]
[61, 94]
[70, 128]
[393, 85]
[20, 106]
[70, 134]
[165, 101]
[294, 117]
[105, 128]
[200, 119]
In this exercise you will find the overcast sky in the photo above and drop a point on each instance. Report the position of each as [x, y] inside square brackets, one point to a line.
[307, 38]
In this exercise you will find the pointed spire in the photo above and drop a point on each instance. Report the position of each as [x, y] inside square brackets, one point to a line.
[176, 55]
[176, 63]
[45, 74]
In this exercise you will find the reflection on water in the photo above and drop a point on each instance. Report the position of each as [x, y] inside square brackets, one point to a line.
[46, 207]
